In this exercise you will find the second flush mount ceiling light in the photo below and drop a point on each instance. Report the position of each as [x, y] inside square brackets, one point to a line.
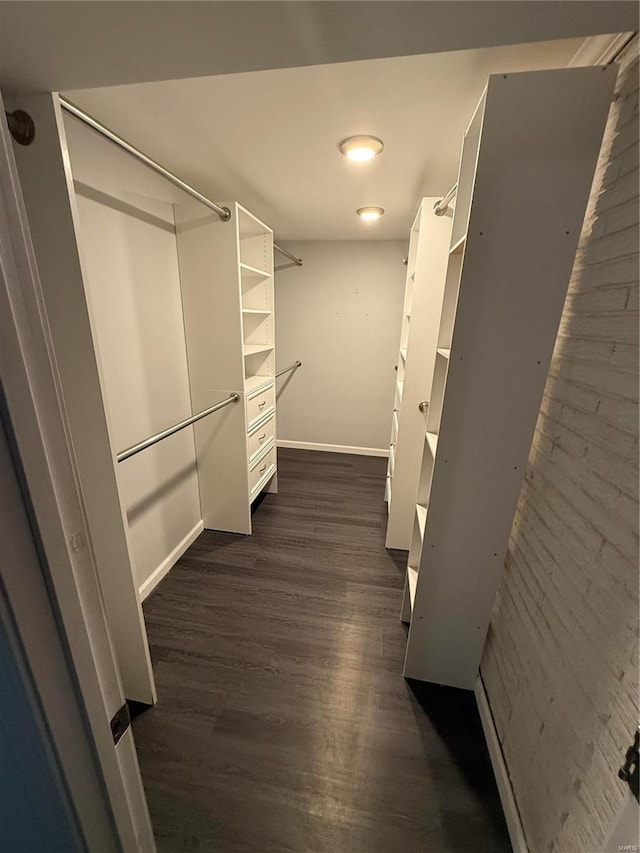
[370, 214]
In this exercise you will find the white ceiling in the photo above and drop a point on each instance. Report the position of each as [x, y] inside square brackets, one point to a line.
[269, 139]
[49, 46]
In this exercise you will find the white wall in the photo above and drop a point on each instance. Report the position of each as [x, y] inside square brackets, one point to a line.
[129, 251]
[340, 315]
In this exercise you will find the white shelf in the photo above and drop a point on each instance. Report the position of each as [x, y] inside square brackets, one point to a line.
[254, 383]
[458, 247]
[432, 442]
[253, 272]
[403, 354]
[445, 353]
[254, 349]
[421, 513]
[412, 577]
[256, 311]
[412, 275]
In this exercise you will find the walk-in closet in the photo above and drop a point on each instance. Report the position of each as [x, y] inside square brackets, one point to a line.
[302, 321]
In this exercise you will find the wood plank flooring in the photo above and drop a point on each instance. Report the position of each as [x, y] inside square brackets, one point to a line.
[283, 721]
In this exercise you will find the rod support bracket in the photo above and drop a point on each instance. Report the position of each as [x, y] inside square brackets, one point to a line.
[21, 127]
[439, 211]
[226, 215]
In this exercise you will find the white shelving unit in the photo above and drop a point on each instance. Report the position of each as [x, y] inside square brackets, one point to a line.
[226, 272]
[426, 269]
[525, 174]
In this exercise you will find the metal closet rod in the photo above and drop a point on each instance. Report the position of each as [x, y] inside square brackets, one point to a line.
[159, 436]
[293, 366]
[297, 261]
[440, 207]
[223, 212]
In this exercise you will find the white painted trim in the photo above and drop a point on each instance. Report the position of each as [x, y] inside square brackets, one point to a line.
[509, 806]
[169, 562]
[334, 448]
[599, 50]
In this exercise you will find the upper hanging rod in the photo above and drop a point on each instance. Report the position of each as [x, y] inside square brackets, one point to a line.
[293, 366]
[297, 261]
[223, 212]
[154, 439]
[440, 207]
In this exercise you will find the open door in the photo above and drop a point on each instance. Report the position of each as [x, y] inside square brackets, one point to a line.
[50, 592]
[46, 184]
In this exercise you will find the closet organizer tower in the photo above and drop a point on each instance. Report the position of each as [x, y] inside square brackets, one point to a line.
[424, 289]
[226, 274]
[528, 159]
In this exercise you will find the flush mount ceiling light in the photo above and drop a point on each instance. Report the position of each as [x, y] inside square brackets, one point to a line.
[370, 214]
[361, 148]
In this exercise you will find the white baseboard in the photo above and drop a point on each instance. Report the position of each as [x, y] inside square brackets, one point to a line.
[334, 448]
[169, 562]
[511, 813]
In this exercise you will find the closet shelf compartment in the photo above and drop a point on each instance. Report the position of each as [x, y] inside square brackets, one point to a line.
[254, 349]
[412, 578]
[458, 247]
[403, 354]
[256, 383]
[421, 513]
[444, 352]
[253, 272]
[432, 443]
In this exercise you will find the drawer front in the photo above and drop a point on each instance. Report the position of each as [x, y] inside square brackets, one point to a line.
[261, 468]
[260, 438]
[260, 403]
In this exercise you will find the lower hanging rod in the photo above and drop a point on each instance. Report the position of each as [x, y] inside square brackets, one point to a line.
[440, 207]
[154, 439]
[297, 261]
[294, 366]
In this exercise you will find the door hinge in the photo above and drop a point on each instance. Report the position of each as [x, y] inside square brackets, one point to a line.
[120, 722]
[629, 772]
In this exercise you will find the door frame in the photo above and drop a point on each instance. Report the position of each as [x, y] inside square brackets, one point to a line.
[68, 586]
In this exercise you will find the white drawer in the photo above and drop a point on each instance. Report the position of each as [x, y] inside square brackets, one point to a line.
[259, 404]
[260, 437]
[261, 471]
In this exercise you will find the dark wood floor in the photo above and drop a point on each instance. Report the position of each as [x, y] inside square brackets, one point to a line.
[283, 721]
